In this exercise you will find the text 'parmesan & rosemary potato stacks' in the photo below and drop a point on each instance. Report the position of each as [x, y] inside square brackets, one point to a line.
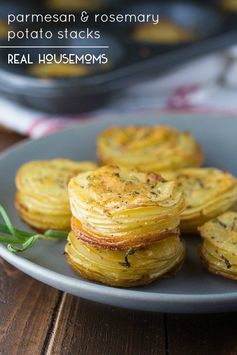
[42, 195]
[208, 192]
[125, 226]
[149, 149]
[219, 249]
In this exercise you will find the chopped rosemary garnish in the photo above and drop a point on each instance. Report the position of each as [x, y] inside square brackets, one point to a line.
[218, 221]
[18, 240]
[226, 261]
[126, 263]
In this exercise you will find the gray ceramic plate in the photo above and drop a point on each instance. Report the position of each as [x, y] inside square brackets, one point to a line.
[193, 289]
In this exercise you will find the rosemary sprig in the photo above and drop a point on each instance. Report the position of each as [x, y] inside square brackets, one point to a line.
[20, 241]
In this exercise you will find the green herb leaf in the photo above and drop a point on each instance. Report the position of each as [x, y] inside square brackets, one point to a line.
[8, 239]
[25, 246]
[24, 239]
[21, 234]
[56, 234]
[7, 221]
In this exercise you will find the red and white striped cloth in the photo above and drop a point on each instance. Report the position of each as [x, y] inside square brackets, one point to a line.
[207, 84]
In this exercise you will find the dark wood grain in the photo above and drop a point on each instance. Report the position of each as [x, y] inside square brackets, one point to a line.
[26, 311]
[86, 328]
[206, 334]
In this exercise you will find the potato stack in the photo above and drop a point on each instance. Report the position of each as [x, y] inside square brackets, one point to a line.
[125, 226]
[219, 249]
[149, 148]
[42, 195]
[208, 192]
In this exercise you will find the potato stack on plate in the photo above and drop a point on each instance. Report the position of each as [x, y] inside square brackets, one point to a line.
[208, 192]
[42, 195]
[219, 249]
[149, 148]
[125, 226]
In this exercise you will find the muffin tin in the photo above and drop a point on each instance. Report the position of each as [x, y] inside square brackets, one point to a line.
[131, 60]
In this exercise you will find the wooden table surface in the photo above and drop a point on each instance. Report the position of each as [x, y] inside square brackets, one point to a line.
[37, 319]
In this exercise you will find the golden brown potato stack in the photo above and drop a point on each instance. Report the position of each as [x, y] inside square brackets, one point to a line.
[149, 148]
[219, 249]
[42, 196]
[125, 226]
[208, 192]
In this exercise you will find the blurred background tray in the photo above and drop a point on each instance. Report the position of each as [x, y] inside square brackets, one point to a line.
[202, 27]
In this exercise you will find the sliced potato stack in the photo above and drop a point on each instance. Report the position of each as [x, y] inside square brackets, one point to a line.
[125, 226]
[155, 148]
[42, 194]
[208, 192]
[219, 249]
